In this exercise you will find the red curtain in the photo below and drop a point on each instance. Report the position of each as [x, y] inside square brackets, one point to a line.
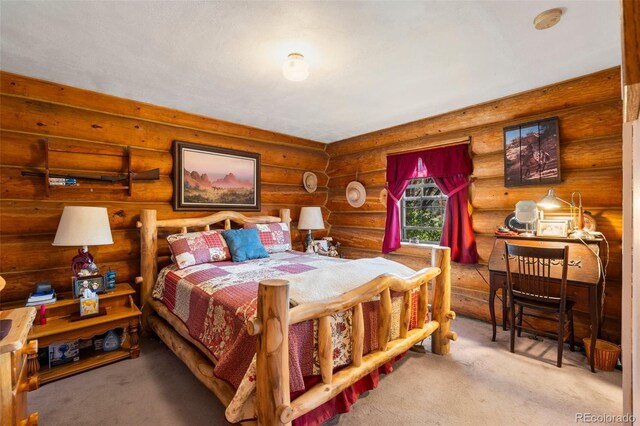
[449, 167]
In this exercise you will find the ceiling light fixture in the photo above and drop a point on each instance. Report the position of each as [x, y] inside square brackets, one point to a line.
[295, 68]
[547, 19]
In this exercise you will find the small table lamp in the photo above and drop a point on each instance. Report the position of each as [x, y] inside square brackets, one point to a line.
[83, 226]
[310, 219]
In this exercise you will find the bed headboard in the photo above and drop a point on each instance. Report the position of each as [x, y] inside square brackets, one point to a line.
[149, 226]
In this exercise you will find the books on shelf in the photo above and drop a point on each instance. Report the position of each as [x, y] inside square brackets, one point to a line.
[41, 298]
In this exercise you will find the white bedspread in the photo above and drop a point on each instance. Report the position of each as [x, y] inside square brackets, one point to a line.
[335, 280]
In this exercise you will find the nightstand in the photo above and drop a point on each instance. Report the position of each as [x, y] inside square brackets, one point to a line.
[63, 325]
[14, 359]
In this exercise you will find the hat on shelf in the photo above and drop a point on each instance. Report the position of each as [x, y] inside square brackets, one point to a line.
[356, 194]
[310, 181]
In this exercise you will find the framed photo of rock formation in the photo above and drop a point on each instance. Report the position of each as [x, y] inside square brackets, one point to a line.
[210, 178]
[532, 153]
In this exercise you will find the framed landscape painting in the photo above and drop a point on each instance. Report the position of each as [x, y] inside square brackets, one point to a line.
[209, 178]
[532, 153]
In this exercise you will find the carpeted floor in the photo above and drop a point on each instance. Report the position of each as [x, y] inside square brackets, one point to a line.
[480, 382]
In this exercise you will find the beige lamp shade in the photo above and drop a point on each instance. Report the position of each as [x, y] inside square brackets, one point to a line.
[310, 218]
[83, 226]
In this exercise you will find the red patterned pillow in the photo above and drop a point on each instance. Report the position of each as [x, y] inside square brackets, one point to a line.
[194, 248]
[275, 237]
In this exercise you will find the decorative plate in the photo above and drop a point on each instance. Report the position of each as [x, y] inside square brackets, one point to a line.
[589, 221]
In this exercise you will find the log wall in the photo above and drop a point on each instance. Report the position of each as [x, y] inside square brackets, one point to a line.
[589, 109]
[590, 116]
[31, 110]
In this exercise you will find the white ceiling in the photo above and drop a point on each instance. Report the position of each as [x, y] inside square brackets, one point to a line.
[373, 64]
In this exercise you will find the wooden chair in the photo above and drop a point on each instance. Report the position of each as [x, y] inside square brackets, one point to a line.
[531, 286]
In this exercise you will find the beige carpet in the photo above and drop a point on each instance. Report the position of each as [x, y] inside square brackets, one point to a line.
[480, 382]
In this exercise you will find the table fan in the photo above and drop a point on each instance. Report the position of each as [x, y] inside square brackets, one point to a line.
[527, 213]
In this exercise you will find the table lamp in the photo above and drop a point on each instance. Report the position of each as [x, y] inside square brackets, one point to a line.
[83, 226]
[551, 201]
[310, 219]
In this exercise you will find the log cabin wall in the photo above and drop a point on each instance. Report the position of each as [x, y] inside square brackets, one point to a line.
[31, 110]
[589, 109]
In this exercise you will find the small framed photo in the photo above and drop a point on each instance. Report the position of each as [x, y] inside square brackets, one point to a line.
[94, 283]
[552, 228]
[321, 245]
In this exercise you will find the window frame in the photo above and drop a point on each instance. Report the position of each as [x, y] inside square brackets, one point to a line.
[403, 225]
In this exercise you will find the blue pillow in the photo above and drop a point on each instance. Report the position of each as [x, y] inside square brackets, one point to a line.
[244, 244]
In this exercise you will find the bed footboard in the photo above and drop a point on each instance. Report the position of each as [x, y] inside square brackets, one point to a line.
[274, 317]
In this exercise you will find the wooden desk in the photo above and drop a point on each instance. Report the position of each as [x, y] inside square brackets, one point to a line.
[583, 271]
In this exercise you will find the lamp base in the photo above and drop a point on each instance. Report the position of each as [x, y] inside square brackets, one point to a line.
[308, 243]
[82, 264]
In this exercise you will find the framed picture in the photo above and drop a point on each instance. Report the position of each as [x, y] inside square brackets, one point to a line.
[552, 228]
[95, 283]
[532, 153]
[209, 178]
[321, 244]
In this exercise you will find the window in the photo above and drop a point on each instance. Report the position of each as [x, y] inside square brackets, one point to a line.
[422, 211]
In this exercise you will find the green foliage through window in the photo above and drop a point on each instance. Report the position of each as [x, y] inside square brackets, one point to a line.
[422, 212]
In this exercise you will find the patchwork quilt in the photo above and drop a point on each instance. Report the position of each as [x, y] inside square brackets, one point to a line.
[214, 301]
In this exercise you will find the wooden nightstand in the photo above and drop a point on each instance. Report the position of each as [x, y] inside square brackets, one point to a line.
[14, 357]
[121, 312]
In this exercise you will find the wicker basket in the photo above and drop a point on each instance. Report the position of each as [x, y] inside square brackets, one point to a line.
[607, 354]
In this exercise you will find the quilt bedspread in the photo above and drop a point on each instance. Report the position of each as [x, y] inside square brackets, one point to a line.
[214, 301]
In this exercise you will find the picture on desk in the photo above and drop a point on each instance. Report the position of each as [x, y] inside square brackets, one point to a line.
[552, 228]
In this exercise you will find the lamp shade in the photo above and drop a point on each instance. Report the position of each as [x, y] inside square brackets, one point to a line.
[550, 201]
[83, 226]
[310, 218]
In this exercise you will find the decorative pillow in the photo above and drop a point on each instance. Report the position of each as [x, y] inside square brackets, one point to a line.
[275, 237]
[194, 248]
[244, 244]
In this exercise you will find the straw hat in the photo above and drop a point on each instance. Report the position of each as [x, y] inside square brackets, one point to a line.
[310, 181]
[356, 194]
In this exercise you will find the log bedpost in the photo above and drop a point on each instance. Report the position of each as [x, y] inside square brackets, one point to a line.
[272, 359]
[285, 217]
[441, 258]
[148, 259]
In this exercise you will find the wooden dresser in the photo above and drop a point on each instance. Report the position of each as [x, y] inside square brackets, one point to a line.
[14, 359]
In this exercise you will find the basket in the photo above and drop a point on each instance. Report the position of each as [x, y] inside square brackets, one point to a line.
[607, 354]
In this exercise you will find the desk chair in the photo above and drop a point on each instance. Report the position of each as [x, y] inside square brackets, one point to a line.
[531, 287]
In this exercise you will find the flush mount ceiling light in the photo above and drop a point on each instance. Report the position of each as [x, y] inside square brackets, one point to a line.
[547, 19]
[295, 68]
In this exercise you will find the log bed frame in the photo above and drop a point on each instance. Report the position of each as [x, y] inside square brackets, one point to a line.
[274, 316]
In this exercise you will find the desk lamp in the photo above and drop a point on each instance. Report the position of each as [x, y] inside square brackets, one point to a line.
[551, 201]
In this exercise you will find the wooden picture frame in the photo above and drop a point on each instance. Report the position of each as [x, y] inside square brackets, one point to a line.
[210, 178]
[94, 282]
[552, 228]
[532, 153]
